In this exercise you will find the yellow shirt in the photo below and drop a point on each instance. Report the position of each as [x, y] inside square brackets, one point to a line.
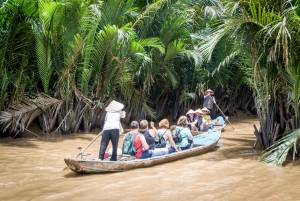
[207, 118]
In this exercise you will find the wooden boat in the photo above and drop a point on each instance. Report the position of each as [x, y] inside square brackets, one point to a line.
[203, 143]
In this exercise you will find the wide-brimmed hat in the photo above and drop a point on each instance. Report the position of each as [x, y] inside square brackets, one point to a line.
[198, 111]
[209, 90]
[191, 112]
[114, 106]
[205, 109]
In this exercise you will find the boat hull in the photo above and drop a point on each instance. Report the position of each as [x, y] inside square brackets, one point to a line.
[202, 144]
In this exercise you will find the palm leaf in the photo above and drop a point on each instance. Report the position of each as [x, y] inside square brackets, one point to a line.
[3, 87]
[277, 153]
[17, 117]
[43, 54]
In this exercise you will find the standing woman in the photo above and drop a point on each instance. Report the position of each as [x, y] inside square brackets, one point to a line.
[111, 129]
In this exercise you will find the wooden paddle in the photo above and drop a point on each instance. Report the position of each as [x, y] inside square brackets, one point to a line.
[224, 115]
[82, 151]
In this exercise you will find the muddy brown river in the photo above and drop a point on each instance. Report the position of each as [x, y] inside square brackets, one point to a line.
[34, 169]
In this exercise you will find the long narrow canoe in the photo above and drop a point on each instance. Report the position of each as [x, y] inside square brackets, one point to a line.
[203, 143]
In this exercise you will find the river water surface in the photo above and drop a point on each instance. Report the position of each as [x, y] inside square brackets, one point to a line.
[34, 169]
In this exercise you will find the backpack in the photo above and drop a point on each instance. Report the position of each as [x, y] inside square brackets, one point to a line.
[128, 144]
[176, 135]
[160, 140]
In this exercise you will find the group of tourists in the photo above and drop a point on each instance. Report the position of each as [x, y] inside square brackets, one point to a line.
[150, 142]
[200, 119]
[147, 146]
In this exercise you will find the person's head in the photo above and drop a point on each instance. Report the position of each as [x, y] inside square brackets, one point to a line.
[172, 128]
[182, 121]
[164, 123]
[205, 111]
[198, 112]
[209, 92]
[144, 124]
[134, 125]
[190, 113]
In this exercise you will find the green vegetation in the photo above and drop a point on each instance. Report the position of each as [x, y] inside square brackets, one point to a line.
[63, 61]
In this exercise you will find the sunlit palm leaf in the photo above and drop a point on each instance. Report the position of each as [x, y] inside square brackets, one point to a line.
[43, 54]
[277, 153]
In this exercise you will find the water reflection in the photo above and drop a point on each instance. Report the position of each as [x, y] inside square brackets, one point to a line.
[33, 169]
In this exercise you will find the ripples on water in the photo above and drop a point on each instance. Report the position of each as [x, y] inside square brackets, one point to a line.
[33, 169]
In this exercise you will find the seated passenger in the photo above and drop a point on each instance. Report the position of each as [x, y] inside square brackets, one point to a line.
[149, 135]
[164, 132]
[206, 116]
[191, 119]
[202, 125]
[187, 138]
[139, 142]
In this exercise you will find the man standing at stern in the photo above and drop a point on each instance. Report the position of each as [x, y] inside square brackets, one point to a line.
[209, 101]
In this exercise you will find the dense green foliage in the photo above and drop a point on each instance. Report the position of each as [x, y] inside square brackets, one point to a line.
[155, 56]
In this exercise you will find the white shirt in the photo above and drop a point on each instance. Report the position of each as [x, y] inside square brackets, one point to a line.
[112, 120]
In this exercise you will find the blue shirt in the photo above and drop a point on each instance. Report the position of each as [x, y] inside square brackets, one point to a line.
[185, 134]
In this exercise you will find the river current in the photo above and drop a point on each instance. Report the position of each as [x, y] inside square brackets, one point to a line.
[34, 169]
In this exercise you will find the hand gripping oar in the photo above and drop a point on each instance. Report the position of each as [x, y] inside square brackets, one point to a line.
[224, 115]
[82, 151]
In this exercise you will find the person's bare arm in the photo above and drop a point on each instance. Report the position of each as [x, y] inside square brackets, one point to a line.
[122, 114]
[195, 122]
[153, 132]
[209, 119]
[144, 143]
[172, 141]
[191, 136]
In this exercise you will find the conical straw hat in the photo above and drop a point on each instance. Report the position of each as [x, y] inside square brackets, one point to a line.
[209, 90]
[205, 109]
[191, 112]
[198, 111]
[114, 106]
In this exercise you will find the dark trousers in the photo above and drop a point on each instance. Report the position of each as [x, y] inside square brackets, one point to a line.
[108, 135]
[212, 113]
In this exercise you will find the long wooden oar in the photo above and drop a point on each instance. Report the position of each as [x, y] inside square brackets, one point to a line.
[224, 115]
[82, 151]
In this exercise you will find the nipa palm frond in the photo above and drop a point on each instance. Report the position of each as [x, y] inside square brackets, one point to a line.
[277, 153]
[17, 117]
